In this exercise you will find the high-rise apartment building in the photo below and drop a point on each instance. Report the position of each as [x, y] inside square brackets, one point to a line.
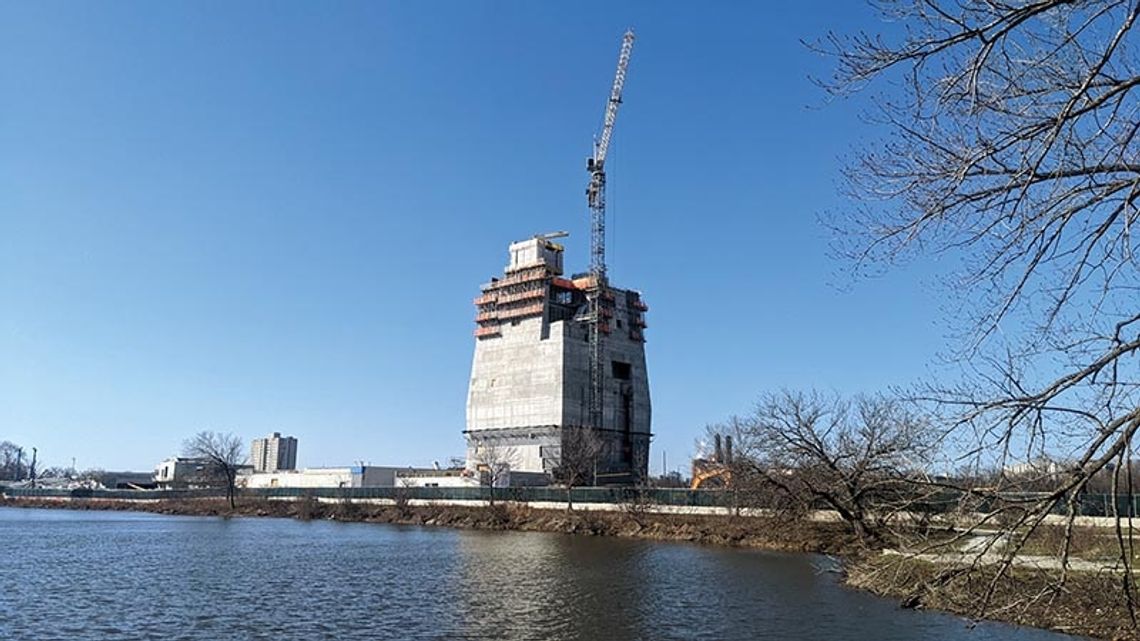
[273, 453]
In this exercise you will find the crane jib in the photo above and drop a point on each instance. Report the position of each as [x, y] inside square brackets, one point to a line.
[603, 143]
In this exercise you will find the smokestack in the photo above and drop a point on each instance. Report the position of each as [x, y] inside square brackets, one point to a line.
[728, 450]
[718, 452]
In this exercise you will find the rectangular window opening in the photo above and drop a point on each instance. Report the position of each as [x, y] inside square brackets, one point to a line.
[622, 371]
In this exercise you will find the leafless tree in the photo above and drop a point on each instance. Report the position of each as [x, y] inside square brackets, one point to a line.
[12, 465]
[95, 475]
[224, 453]
[1012, 151]
[581, 449]
[729, 463]
[56, 472]
[862, 458]
[1103, 481]
[401, 497]
[669, 480]
[493, 461]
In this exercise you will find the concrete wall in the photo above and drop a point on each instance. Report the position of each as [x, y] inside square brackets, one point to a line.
[535, 251]
[626, 403]
[443, 479]
[374, 476]
[576, 374]
[517, 378]
[526, 449]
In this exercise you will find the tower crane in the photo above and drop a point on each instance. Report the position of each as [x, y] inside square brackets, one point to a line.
[596, 198]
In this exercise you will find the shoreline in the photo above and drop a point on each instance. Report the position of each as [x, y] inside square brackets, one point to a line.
[723, 530]
[1080, 612]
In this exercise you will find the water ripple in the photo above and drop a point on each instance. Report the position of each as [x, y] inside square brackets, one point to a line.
[122, 576]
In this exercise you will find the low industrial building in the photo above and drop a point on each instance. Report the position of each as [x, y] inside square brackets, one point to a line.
[380, 476]
[127, 480]
[180, 472]
[324, 477]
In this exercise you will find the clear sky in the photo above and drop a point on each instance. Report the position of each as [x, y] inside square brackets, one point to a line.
[266, 216]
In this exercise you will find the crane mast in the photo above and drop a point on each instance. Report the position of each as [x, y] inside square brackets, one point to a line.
[596, 198]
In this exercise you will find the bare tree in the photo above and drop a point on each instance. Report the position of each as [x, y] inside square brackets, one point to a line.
[858, 457]
[1013, 151]
[581, 449]
[669, 480]
[12, 466]
[94, 475]
[732, 464]
[493, 461]
[224, 454]
[56, 472]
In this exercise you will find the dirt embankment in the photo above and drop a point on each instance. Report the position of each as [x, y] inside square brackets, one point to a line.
[829, 538]
[1089, 604]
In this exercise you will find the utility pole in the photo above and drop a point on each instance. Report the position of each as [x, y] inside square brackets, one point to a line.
[596, 197]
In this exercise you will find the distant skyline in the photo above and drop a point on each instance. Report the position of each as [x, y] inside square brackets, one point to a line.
[263, 217]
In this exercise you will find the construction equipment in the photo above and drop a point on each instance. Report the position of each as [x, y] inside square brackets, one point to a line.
[709, 474]
[552, 235]
[547, 238]
[596, 198]
[715, 471]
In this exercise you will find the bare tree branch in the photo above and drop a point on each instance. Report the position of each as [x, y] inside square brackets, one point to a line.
[225, 454]
[1012, 150]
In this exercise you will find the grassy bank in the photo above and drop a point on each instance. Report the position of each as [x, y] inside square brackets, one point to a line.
[1091, 603]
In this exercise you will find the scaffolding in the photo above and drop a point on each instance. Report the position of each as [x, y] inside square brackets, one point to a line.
[521, 293]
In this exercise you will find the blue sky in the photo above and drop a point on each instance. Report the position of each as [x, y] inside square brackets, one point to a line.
[274, 215]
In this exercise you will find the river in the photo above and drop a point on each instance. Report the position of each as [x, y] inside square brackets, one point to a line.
[78, 575]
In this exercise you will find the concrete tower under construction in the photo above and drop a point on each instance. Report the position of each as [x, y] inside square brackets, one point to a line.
[530, 386]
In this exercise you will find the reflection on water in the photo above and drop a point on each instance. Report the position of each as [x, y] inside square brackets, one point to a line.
[108, 575]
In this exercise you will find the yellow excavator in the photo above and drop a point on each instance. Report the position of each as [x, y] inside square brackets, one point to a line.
[708, 474]
[715, 471]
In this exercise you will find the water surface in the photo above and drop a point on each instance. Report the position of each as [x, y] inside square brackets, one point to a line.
[122, 575]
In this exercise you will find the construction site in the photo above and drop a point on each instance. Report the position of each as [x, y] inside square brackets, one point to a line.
[558, 378]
